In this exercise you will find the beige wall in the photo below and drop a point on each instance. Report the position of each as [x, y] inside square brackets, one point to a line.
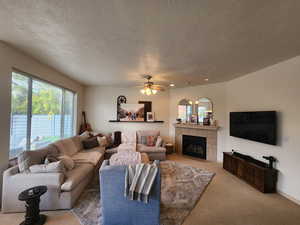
[101, 106]
[273, 88]
[9, 58]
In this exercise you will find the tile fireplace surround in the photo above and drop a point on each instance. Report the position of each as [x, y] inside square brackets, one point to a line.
[209, 132]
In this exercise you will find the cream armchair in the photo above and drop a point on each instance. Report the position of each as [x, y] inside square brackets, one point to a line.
[156, 152]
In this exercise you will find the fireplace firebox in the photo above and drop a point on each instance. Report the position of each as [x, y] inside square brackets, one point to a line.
[194, 146]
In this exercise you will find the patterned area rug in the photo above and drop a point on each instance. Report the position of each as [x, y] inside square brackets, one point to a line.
[181, 188]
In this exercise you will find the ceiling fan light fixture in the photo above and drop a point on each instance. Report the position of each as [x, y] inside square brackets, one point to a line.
[149, 87]
[148, 91]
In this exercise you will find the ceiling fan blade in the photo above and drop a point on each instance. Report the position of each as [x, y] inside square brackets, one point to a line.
[158, 87]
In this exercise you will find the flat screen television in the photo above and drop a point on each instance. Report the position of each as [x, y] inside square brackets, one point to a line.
[260, 126]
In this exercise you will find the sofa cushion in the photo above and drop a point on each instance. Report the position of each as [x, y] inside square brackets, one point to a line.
[54, 167]
[144, 148]
[90, 143]
[78, 142]
[66, 146]
[67, 161]
[91, 156]
[111, 150]
[141, 133]
[29, 158]
[76, 175]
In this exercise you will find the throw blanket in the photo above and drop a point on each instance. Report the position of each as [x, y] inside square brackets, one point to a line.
[125, 158]
[127, 147]
[139, 180]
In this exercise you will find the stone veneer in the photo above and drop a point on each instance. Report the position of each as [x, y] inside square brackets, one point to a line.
[209, 132]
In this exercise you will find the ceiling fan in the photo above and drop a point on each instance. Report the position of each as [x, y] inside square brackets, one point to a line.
[149, 87]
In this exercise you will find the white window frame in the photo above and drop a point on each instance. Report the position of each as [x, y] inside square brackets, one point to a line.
[32, 78]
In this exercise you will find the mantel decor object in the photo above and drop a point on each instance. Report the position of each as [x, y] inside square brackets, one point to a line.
[131, 112]
[150, 117]
[206, 121]
[120, 100]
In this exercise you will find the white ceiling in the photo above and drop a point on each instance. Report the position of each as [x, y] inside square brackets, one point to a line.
[113, 42]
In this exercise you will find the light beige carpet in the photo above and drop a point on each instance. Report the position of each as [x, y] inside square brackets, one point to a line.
[226, 201]
[181, 188]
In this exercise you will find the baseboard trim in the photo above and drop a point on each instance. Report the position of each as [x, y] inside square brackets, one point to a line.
[289, 197]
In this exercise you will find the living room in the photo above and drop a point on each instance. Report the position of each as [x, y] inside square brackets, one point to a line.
[101, 57]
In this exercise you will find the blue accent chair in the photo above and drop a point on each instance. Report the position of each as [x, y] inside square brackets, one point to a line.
[116, 209]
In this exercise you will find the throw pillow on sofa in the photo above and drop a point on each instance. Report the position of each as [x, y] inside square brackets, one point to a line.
[90, 143]
[102, 141]
[144, 140]
[150, 141]
[51, 157]
[141, 133]
[109, 140]
[54, 167]
[85, 135]
[159, 142]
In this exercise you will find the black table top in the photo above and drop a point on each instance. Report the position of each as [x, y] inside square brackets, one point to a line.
[32, 193]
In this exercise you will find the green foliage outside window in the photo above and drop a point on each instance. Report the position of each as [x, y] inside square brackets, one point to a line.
[46, 99]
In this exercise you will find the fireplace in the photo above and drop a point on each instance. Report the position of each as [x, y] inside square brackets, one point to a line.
[194, 146]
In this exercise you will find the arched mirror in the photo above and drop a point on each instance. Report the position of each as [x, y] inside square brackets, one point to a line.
[185, 110]
[204, 109]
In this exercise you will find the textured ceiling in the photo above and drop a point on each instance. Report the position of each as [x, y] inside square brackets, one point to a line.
[113, 42]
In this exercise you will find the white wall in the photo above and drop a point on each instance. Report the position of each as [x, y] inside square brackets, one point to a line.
[101, 106]
[9, 58]
[273, 88]
[216, 93]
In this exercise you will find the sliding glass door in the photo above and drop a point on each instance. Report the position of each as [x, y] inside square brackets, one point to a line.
[41, 113]
[19, 114]
[46, 114]
[68, 112]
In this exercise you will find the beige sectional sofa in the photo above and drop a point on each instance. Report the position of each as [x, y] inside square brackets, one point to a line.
[63, 188]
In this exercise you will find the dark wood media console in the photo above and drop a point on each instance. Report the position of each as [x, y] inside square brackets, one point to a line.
[254, 172]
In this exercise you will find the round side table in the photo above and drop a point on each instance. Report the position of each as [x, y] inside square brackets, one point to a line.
[32, 198]
[169, 148]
